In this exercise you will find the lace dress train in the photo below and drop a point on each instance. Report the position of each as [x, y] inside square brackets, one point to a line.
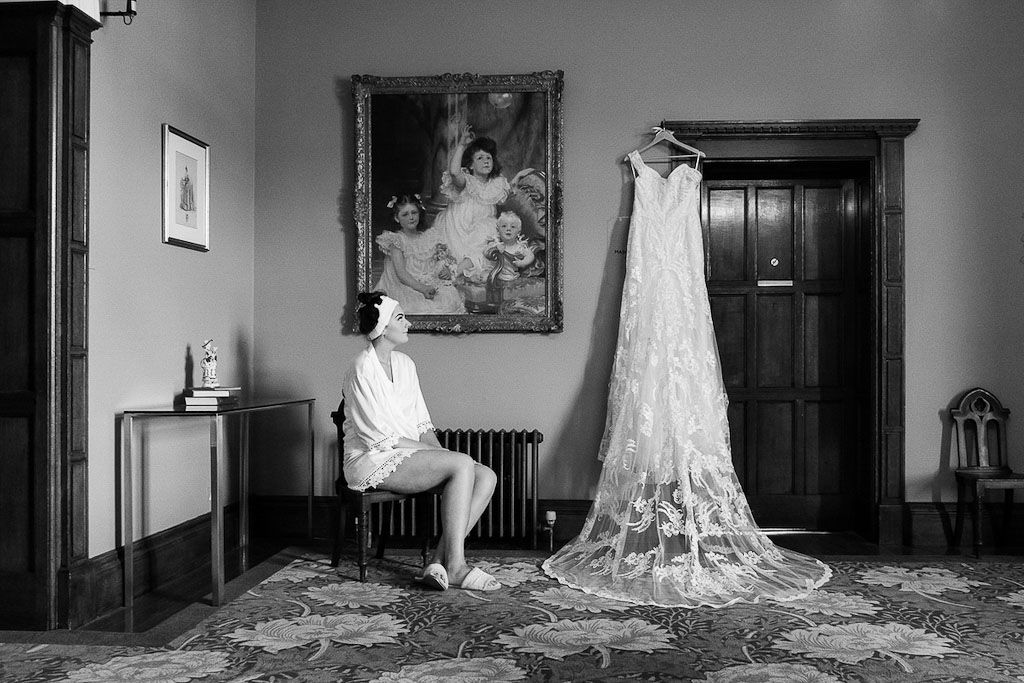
[670, 525]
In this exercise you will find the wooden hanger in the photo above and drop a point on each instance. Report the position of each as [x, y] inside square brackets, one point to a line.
[664, 135]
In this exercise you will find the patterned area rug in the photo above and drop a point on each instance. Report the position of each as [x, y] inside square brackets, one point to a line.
[875, 621]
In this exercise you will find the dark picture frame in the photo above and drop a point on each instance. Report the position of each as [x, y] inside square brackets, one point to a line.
[467, 274]
[186, 190]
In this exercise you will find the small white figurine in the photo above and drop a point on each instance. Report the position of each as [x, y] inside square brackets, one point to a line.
[209, 364]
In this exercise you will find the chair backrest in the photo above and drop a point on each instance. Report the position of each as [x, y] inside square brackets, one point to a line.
[980, 422]
[338, 416]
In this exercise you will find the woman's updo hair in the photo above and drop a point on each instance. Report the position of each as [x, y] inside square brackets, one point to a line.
[488, 145]
[401, 200]
[368, 313]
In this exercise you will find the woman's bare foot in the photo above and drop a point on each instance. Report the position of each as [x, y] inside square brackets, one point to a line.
[457, 574]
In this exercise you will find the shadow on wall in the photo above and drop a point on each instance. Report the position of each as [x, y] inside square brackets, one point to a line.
[944, 473]
[581, 435]
[242, 364]
[346, 201]
[280, 444]
[346, 164]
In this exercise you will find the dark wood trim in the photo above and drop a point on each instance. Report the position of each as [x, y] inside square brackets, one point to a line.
[74, 277]
[829, 129]
[172, 561]
[51, 41]
[930, 525]
[570, 516]
[284, 517]
[880, 142]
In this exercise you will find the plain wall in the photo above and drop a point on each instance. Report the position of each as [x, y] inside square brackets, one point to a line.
[629, 65]
[189, 64]
[267, 85]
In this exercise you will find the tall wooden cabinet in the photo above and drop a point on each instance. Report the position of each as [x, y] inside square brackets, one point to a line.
[44, 165]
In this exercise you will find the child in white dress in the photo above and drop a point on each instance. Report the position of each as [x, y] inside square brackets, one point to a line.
[474, 187]
[416, 273]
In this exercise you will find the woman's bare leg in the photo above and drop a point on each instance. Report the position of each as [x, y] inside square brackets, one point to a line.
[424, 470]
[483, 487]
[484, 480]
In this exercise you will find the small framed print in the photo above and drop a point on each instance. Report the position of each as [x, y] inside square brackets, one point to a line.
[186, 197]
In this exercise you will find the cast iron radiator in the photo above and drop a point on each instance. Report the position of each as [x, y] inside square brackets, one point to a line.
[511, 518]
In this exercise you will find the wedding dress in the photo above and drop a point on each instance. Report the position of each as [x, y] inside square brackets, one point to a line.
[670, 525]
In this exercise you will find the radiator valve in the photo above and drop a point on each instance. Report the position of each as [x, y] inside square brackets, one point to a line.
[549, 528]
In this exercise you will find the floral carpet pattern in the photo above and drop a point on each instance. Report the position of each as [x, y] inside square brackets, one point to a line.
[914, 620]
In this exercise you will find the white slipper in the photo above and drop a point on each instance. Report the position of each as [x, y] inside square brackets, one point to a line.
[478, 580]
[434, 576]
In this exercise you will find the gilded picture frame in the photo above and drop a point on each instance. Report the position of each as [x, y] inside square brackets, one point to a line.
[186, 190]
[473, 165]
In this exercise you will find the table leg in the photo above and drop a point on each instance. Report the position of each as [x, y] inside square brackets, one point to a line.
[243, 490]
[312, 455]
[128, 531]
[216, 510]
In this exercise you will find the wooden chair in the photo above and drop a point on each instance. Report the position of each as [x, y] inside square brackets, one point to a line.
[360, 502]
[980, 424]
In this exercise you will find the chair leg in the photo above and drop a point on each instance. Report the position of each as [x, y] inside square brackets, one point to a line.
[423, 510]
[1004, 533]
[385, 528]
[958, 529]
[362, 539]
[340, 521]
[979, 503]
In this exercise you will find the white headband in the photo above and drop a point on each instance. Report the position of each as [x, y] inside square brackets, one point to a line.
[386, 307]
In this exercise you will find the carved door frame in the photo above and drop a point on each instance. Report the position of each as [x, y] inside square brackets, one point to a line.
[880, 142]
[44, 226]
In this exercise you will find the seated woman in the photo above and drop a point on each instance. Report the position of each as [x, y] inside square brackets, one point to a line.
[390, 443]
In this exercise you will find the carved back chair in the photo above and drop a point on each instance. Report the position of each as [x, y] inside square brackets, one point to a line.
[979, 421]
[360, 503]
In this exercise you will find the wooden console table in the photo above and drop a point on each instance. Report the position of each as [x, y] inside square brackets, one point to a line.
[218, 448]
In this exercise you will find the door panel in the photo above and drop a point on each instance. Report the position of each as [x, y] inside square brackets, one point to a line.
[775, 454]
[16, 501]
[738, 438]
[823, 340]
[774, 225]
[823, 254]
[824, 436]
[728, 312]
[774, 360]
[727, 244]
[781, 266]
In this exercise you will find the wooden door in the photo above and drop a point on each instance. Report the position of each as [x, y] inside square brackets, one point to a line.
[782, 260]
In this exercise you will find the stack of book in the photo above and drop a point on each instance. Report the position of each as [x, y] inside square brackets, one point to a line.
[211, 398]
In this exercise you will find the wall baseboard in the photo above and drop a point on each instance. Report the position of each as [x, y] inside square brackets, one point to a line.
[570, 515]
[914, 525]
[168, 561]
[169, 557]
[285, 517]
[930, 525]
